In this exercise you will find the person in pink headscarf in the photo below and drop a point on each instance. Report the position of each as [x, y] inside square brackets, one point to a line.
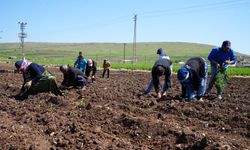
[23, 65]
[36, 79]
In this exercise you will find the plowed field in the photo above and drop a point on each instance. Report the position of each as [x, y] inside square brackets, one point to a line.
[109, 114]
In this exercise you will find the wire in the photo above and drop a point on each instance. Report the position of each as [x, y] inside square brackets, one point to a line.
[200, 6]
[150, 14]
[105, 23]
[174, 11]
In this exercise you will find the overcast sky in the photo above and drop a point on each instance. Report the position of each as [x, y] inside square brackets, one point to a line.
[196, 21]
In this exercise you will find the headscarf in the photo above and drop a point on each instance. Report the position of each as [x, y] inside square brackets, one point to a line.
[64, 68]
[90, 62]
[22, 65]
[183, 74]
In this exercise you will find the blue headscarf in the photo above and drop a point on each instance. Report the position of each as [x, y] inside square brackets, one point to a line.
[183, 74]
[18, 64]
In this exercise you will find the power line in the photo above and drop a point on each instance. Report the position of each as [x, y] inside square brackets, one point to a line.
[99, 24]
[188, 8]
[1, 32]
[172, 11]
[180, 10]
[159, 13]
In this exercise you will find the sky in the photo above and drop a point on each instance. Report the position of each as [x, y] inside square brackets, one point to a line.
[84, 21]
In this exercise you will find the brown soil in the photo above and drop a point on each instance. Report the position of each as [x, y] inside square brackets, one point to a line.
[109, 114]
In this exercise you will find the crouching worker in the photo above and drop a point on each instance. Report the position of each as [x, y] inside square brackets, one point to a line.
[73, 77]
[36, 79]
[193, 77]
[160, 68]
[91, 67]
[162, 55]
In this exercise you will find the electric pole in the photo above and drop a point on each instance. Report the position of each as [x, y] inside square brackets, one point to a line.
[124, 46]
[1, 32]
[134, 40]
[22, 35]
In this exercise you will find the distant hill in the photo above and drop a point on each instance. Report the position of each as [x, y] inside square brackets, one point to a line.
[178, 51]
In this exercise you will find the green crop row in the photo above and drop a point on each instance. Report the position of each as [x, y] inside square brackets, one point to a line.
[136, 66]
[239, 71]
[148, 66]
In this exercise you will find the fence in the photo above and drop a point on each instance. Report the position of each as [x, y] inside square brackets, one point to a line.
[140, 59]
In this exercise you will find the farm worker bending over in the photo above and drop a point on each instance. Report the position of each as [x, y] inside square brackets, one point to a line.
[220, 57]
[36, 79]
[162, 55]
[80, 62]
[106, 66]
[91, 67]
[160, 68]
[193, 77]
[73, 77]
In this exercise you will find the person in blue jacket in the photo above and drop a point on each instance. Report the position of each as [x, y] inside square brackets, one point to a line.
[36, 79]
[193, 77]
[80, 62]
[220, 57]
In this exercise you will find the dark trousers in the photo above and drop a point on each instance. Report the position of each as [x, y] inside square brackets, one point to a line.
[104, 71]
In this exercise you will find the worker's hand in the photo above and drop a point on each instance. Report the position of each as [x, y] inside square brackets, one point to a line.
[159, 95]
[27, 85]
[93, 78]
[164, 93]
[228, 62]
[218, 66]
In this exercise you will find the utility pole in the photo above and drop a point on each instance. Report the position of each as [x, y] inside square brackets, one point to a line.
[124, 46]
[1, 32]
[22, 35]
[134, 40]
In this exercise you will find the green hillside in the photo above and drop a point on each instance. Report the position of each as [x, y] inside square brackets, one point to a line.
[58, 53]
